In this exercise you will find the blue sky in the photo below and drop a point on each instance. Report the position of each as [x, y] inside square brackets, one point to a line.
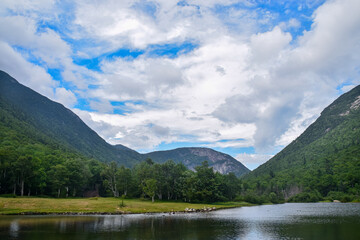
[242, 77]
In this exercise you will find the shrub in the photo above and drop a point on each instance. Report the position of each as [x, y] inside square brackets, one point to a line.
[122, 204]
[313, 196]
[341, 196]
[252, 198]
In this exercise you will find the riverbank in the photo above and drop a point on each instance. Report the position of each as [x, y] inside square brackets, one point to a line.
[84, 206]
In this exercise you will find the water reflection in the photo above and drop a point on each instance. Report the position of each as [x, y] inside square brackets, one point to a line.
[14, 229]
[287, 221]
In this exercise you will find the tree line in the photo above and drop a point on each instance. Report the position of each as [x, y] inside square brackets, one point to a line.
[40, 171]
[35, 169]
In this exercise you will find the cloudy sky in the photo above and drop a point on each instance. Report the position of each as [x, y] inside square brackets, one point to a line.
[244, 77]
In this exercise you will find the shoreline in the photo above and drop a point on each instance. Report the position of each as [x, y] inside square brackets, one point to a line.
[116, 213]
[104, 206]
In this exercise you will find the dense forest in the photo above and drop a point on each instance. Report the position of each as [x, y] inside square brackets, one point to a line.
[38, 170]
[33, 164]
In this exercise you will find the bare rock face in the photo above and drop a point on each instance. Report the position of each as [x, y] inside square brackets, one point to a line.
[192, 157]
[356, 104]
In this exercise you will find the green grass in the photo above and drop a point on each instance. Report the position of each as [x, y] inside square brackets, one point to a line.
[26, 205]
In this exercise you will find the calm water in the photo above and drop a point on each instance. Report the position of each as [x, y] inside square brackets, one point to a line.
[285, 221]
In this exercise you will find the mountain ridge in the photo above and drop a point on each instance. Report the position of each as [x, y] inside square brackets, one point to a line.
[323, 161]
[221, 162]
[65, 128]
[58, 122]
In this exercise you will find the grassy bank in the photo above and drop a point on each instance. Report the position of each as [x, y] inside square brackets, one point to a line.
[99, 205]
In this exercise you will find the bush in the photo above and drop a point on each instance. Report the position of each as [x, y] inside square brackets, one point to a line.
[273, 197]
[341, 196]
[346, 198]
[122, 204]
[239, 198]
[252, 198]
[313, 196]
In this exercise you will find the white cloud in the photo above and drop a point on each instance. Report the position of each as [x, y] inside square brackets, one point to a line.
[26, 73]
[102, 106]
[290, 89]
[347, 88]
[27, 6]
[264, 81]
[293, 23]
[252, 161]
[31, 49]
[66, 97]
[268, 45]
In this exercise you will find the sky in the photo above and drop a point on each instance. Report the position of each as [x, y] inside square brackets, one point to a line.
[244, 77]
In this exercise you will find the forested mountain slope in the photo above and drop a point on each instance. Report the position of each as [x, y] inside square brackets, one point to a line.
[324, 160]
[55, 123]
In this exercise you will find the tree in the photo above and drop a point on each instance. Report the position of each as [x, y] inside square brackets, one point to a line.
[143, 171]
[78, 174]
[206, 185]
[110, 174]
[124, 179]
[24, 169]
[150, 187]
[186, 185]
[59, 177]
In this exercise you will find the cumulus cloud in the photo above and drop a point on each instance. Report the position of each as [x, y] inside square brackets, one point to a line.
[32, 48]
[66, 97]
[268, 45]
[296, 82]
[252, 161]
[22, 31]
[26, 73]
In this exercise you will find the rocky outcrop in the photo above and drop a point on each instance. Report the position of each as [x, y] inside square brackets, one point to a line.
[192, 157]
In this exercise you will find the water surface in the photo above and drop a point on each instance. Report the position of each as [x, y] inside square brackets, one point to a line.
[285, 221]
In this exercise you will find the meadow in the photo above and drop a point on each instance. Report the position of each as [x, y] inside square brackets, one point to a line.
[98, 205]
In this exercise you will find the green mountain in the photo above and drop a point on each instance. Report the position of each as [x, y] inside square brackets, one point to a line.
[27, 117]
[324, 161]
[192, 157]
[52, 123]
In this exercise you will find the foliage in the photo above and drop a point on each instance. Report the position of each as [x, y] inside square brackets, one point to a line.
[149, 187]
[312, 196]
[122, 204]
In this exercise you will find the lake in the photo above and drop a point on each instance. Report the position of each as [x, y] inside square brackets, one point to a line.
[283, 221]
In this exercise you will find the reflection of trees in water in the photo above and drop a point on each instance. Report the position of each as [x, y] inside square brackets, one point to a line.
[14, 229]
[286, 221]
[173, 227]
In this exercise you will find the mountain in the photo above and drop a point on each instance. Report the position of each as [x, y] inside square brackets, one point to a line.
[53, 121]
[323, 161]
[25, 114]
[192, 157]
